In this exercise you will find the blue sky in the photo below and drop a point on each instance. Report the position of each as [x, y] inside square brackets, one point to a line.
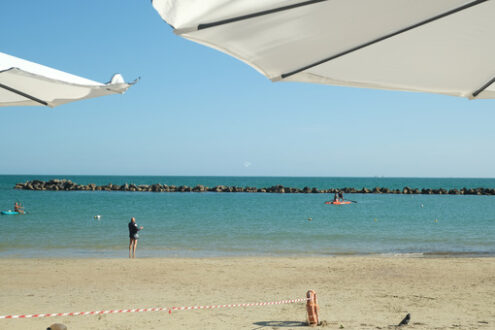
[197, 111]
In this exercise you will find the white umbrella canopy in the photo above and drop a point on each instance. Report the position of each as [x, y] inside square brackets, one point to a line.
[27, 83]
[442, 46]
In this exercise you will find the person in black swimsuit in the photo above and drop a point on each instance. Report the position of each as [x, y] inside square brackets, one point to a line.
[133, 237]
[341, 195]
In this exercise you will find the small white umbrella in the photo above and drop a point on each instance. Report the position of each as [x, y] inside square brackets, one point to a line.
[26, 83]
[441, 46]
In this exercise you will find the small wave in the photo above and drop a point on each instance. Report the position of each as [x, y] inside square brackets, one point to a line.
[459, 254]
[403, 255]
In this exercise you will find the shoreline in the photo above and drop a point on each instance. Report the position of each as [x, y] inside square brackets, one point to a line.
[151, 254]
[354, 291]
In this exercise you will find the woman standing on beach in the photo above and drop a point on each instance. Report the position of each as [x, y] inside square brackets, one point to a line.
[133, 237]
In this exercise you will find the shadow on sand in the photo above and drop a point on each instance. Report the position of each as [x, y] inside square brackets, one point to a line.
[280, 324]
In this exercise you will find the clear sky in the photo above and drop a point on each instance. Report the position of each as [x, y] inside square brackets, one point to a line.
[197, 111]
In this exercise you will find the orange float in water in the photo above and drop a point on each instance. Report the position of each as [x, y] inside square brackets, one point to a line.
[338, 202]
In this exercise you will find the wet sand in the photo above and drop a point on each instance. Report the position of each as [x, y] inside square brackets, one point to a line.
[353, 292]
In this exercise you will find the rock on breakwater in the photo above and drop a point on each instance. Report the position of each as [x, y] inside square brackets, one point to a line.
[68, 185]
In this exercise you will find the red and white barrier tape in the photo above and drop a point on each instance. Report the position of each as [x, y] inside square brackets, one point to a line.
[157, 309]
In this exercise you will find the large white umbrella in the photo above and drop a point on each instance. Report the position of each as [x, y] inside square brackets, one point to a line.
[26, 83]
[436, 46]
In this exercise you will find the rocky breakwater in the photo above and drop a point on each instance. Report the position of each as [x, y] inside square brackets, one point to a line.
[68, 185]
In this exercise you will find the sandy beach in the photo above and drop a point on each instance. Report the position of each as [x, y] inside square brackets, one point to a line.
[353, 292]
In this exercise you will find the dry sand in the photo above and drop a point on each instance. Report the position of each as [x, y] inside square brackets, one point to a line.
[354, 292]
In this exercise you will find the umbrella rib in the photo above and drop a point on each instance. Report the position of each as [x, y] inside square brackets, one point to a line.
[485, 86]
[390, 35]
[261, 13]
[35, 99]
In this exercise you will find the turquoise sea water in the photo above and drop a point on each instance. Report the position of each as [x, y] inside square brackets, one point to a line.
[225, 224]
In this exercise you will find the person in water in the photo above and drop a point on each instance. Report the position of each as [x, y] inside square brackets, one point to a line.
[335, 198]
[341, 195]
[18, 208]
[133, 237]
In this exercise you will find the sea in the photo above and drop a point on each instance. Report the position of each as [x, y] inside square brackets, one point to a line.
[88, 224]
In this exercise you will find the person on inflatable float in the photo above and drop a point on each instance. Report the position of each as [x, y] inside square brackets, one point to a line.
[18, 208]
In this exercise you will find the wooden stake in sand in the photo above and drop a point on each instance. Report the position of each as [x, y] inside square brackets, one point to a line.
[312, 308]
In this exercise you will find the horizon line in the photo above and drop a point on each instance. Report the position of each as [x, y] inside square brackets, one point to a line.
[257, 176]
